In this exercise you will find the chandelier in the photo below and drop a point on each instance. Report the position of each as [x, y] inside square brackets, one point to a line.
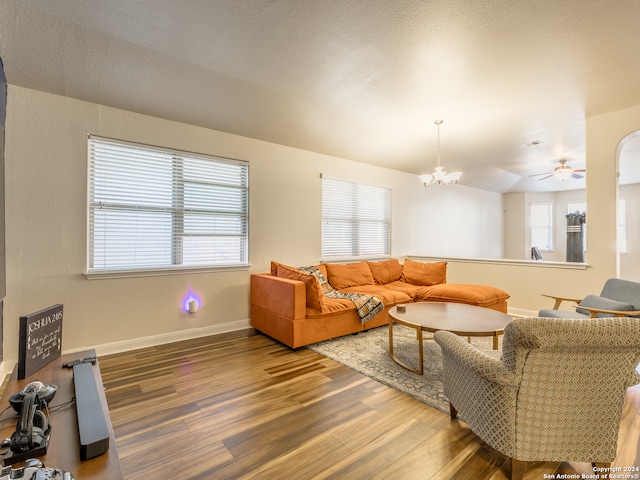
[563, 172]
[439, 176]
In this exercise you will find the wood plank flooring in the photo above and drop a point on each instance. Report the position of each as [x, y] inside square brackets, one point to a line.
[242, 406]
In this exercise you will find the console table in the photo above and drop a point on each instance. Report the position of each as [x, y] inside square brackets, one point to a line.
[64, 447]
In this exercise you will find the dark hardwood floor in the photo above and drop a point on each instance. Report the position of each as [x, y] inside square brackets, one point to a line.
[240, 406]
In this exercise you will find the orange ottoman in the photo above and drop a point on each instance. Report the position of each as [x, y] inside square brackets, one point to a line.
[478, 295]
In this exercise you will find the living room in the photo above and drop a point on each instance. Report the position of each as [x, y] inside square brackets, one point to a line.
[46, 219]
[41, 272]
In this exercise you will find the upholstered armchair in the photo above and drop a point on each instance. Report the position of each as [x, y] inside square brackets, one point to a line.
[555, 394]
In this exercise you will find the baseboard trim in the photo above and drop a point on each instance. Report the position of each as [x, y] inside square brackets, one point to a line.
[3, 372]
[161, 339]
[521, 312]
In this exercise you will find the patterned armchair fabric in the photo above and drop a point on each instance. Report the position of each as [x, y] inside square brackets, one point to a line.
[556, 393]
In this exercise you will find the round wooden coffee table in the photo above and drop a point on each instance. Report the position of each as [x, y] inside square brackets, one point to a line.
[459, 318]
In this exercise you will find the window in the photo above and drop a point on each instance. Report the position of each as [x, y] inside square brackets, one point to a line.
[153, 209]
[541, 222]
[356, 220]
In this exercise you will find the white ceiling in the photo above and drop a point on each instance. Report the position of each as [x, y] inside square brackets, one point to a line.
[357, 79]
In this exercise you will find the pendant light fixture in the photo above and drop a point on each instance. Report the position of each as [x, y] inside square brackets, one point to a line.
[563, 172]
[439, 176]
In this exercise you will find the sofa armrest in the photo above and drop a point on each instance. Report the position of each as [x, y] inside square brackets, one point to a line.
[473, 360]
[559, 300]
[614, 313]
[282, 296]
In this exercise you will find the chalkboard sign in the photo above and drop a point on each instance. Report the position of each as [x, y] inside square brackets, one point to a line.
[40, 339]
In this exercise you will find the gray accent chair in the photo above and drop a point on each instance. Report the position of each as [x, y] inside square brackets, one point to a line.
[556, 394]
[619, 298]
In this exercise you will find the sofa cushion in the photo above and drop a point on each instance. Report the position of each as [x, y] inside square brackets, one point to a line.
[625, 291]
[404, 287]
[315, 297]
[333, 306]
[594, 301]
[560, 314]
[419, 273]
[478, 295]
[386, 271]
[345, 275]
[386, 295]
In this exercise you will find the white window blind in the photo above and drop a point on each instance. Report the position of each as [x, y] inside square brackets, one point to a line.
[152, 208]
[356, 219]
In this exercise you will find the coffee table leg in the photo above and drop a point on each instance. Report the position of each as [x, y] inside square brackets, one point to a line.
[420, 370]
[495, 341]
[391, 338]
[420, 352]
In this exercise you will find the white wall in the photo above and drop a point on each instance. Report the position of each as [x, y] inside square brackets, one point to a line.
[458, 221]
[516, 235]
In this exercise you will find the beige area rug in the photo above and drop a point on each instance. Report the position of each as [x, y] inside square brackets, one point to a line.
[368, 353]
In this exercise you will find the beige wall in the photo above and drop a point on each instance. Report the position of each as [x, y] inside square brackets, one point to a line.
[630, 261]
[526, 282]
[46, 170]
[46, 177]
[604, 133]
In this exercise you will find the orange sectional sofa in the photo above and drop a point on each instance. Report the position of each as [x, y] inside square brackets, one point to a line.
[289, 305]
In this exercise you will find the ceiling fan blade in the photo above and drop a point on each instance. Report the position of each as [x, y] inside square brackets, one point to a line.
[579, 171]
[544, 178]
[575, 175]
[538, 174]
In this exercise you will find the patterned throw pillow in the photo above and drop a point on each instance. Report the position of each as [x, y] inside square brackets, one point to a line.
[315, 297]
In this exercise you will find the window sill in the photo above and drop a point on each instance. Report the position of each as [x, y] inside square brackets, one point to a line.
[499, 261]
[164, 271]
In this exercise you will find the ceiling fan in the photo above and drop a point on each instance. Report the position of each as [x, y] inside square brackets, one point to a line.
[562, 172]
